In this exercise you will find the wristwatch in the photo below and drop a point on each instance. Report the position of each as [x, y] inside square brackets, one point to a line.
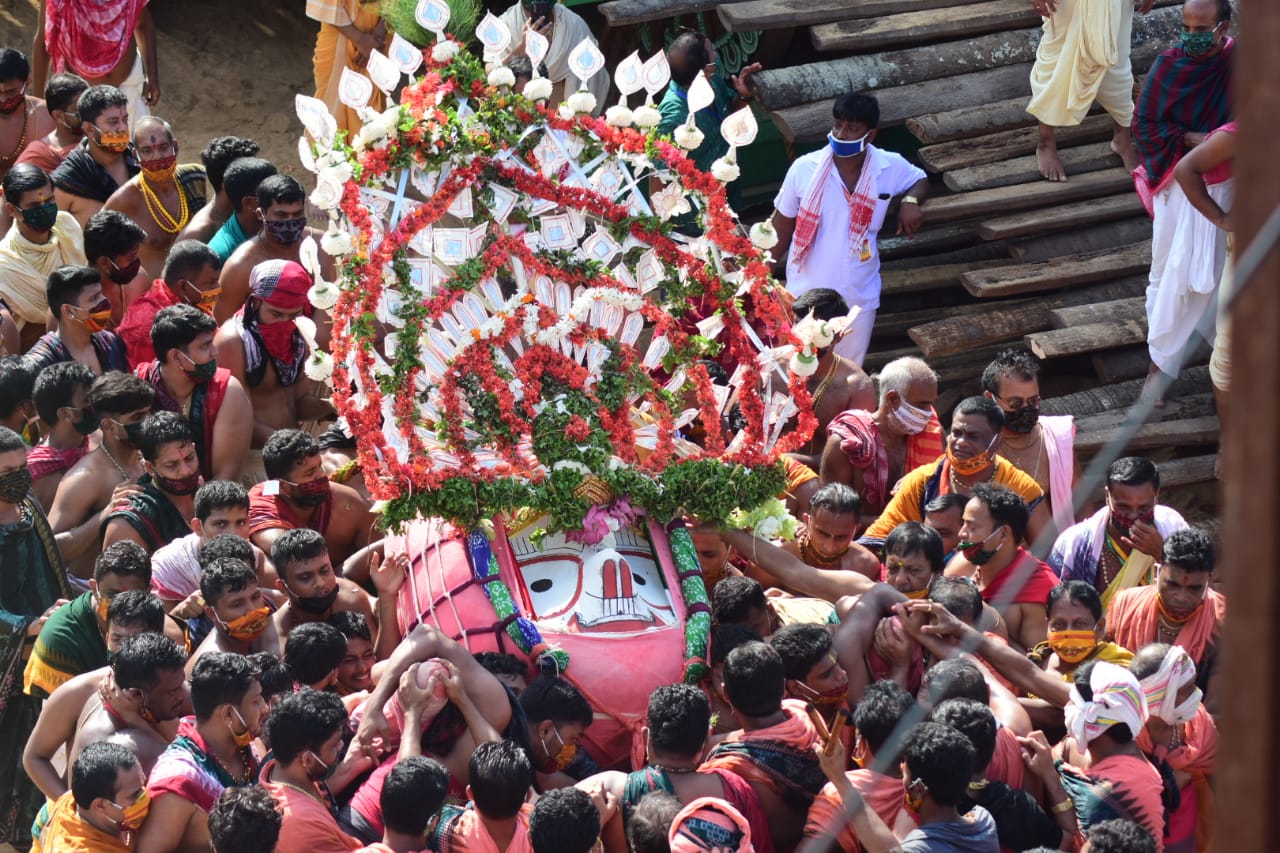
[910, 199]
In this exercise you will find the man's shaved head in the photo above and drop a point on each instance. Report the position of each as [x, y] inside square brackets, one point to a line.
[148, 125]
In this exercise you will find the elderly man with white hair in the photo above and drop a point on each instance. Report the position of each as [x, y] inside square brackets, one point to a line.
[870, 451]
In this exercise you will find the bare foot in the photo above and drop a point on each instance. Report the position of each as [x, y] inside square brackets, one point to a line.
[1050, 163]
[1153, 389]
[1122, 145]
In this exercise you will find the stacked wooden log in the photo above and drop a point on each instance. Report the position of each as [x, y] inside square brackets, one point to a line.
[1004, 258]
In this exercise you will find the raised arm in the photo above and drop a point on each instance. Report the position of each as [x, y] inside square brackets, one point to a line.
[795, 573]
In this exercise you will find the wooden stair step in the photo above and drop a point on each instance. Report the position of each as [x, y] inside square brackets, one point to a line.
[1080, 160]
[951, 208]
[1059, 273]
[919, 26]
[1180, 433]
[1121, 310]
[1122, 205]
[778, 14]
[1008, 144]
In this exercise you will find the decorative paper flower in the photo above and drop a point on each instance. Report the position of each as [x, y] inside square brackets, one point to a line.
[619, 115]
[328, 192]
[582, 101]
[538, 89]
[763, 236]
[319, 367]
[646, 116]
[814, 333]
[323, 295]
[502, 77]
[804, 364]
[670, 201]
[444, 51]
[770, 520]
[725, 170]
[689, 137]
[336, 242]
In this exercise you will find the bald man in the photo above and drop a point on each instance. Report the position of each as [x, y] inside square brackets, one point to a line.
[163, 196]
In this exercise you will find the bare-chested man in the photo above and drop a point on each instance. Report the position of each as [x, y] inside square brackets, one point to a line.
[148, 673]
[216, 157]
[239, 611]
[307, 577]
[103, 162]
[838, 384]
[826, 539]
[61, 94]
[112, 246]
[163, 196]
[116, 45]
[104, 477]
[282, 206]
[23, 118]
[298, 494]
[130, 614]
[263, 348]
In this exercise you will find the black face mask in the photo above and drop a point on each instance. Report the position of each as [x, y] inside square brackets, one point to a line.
[15, 485]
[1022, 420]
[132, 433]
[316, 604]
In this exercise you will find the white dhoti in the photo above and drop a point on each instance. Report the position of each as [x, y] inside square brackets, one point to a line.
[1083, 57]
[132, 88]
[1188, 253]
[857, 338]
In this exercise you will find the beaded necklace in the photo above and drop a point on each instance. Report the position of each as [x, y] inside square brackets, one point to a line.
[22, 140]
[156, 208]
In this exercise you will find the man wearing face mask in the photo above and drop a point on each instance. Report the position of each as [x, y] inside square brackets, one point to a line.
[61, 396]
[40, 240]
[282, 207]
[17, 408]
[1041, 446]
[22, 119]
[263, 346]
[1186, 96]
[970, 459]
[241, 184]
[73, 641]
[1011, 580]
[158, 513]
[239, 611]
[308, 770]
[212, 752]
[112, 244]
[104, 478]
[104, 808]
[307, 577]
[1180, 737]
[26, 545]
[163, 196]
[830, 210]
[60, 96]
[84, 320]
[104, 161]
[1116, 547]
[146, 692]
[813, 673]
[690, 54]
[870, 451]
[188, 381]
[190, 276]
[300, 495]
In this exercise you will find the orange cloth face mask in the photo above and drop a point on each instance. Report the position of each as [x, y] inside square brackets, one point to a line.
[1073, 646]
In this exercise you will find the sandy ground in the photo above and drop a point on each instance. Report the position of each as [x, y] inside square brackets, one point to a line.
[226, 67]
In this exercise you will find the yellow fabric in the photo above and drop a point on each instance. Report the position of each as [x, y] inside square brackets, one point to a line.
[905, 504]
[1083, 56]
[331, 44]
[802, 611]
[67, 833]
[44, 675]
[1135, 570]
[25, 267]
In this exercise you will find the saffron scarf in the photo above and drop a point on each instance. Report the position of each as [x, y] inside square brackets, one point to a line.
[862, 206]
[883, 794]
[1135, 620]
[780, 756]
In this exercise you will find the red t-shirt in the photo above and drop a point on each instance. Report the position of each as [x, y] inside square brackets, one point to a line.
[135, 325]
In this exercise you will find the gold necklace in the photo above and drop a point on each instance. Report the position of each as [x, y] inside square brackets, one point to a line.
[124, 475]
[22, 140]
[156, 208]
[1037, 445]
[826, 380]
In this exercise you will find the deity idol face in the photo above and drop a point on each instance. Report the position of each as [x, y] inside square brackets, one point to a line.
[615, 587]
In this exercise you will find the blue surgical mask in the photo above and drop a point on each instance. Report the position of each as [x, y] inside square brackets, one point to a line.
[846, 148]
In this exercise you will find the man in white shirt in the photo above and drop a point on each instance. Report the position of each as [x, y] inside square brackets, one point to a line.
[830, 210]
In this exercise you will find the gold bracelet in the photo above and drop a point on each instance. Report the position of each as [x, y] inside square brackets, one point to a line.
[1065, 806]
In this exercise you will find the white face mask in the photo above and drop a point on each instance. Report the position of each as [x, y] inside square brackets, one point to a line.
[911, 420]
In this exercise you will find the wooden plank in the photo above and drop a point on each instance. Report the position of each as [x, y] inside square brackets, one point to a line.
[951, 208]
[1080, 340]
[1078, 214]
[1117, 365]
[947, 125]
[898, 103]
[1190, 406]
[777, 14]
[1009, 144]
[1098, 312]
[929, 278]
[975, 251]
[927, 240]
[1180, 433]
[1020, 170]
[901, 322]
[620, 13]
[1093, 238]
[1062, 272]
[920, 26]
[954, 368]
[817, 85]
[1006, 321]
[1106, 398]
[1188, 471]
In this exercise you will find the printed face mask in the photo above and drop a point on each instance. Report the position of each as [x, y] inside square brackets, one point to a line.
[181, 487]
[1022, 420]
[910, 419]
[40, 217]
[286, 231]
[248, 626]
[1073, 646]
[9, 106]
[974, 464]
[15, 485]
[311, 493]
[975, 553]
[115, 141]
[1198, 44]
[159, 171]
